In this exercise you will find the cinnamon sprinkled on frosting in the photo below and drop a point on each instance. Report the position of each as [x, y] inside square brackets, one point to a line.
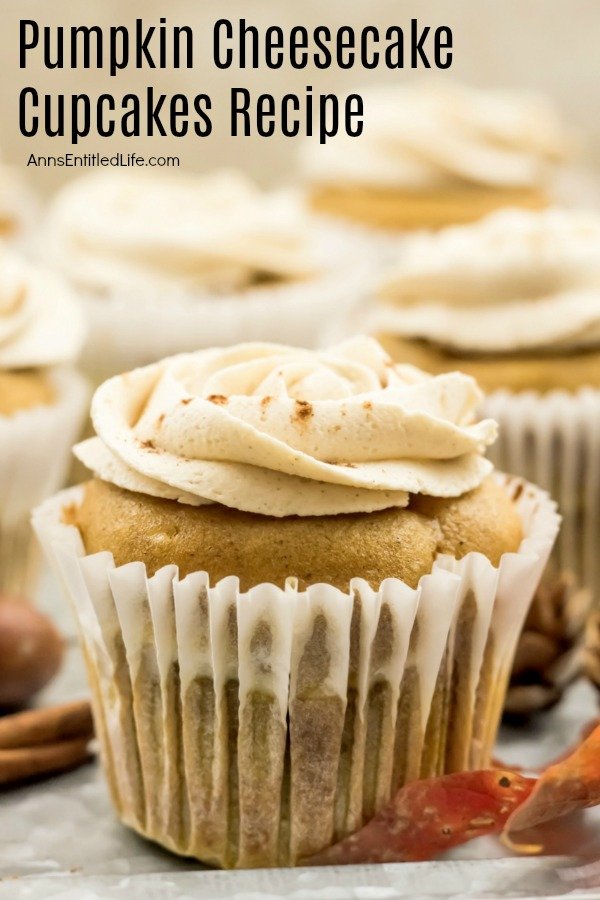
[371, 433]
[514, 280]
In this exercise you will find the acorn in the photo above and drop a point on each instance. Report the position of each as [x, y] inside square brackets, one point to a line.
[31, 651]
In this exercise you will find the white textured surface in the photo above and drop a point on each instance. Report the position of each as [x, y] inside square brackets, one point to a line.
[60, 839]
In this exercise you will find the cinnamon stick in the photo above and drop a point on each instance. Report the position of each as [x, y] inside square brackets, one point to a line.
[46, 741]
[46, 726]
[26, 763]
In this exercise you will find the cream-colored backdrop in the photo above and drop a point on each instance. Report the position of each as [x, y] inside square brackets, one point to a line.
[546, 44]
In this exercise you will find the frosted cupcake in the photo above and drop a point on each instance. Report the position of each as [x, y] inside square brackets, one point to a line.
[438, 154]
[42, 405]
[168, 263]
[298, 584]
[17, 206]
[515, 301]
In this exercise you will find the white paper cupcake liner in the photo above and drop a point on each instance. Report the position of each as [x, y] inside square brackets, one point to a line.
[554, 440]
[34, 458]
[130, 328]
[253, 729]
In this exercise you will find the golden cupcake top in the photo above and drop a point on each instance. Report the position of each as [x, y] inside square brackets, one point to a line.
[283, 431]
[215, 232]
[516, 280]
[435, 135]
[40, 322]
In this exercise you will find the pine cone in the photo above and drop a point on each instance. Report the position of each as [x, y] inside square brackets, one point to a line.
[550, 653]
[592, 648]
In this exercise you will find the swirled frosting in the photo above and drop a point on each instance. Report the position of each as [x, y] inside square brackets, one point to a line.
[282, 431]
[40, 322]
[426, 136]
[215, 232]
[516, 280]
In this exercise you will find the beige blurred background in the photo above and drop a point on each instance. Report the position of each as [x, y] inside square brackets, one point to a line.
[550, 45]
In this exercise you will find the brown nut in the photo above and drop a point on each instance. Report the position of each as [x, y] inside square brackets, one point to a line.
[31, 651]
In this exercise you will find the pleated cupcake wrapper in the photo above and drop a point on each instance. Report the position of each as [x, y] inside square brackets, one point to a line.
[554, 440]
[35, 451]
[255, 728]
[134, 327]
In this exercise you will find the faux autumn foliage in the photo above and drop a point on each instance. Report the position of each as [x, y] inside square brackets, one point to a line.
[565, 787]
[428, 817]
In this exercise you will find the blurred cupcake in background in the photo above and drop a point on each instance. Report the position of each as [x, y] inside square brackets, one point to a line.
[437, 154]
[168, 263]
[18, 206]
[42, 405]
[299, 585]
[514, 300]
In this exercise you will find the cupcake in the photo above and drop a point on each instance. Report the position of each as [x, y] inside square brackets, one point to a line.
[17, 206]
[169, 263]
[42, 405]
[298, 585]
[433, 155]
[515, 301]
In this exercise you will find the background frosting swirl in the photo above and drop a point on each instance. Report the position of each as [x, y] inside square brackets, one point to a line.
[40, 322]
[215, 232]
[432, 135]
[515, 280]
[282, 431]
